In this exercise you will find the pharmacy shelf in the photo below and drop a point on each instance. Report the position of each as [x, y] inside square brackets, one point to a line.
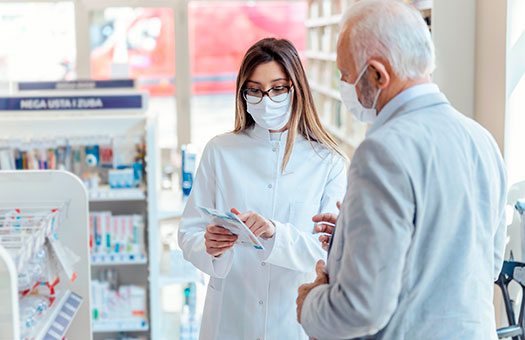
[124, 325]
[118, 259]
[169, 214]
[110, 195]
[170, 206]
[166, 280]
[422, 4]
[321, 56]
[321, 22]
[326, 91]
[58, 318]
[341, 135]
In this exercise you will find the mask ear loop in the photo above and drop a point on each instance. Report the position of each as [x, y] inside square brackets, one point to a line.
[375, 100]
[378, 92]
[360, 75]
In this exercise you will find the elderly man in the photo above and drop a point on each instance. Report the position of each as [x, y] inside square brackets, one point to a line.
[420, 236]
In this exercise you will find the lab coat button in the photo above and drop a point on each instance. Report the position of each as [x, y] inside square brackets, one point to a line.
[260, 302]
[274, 149]
[263, 264]
[269, 186]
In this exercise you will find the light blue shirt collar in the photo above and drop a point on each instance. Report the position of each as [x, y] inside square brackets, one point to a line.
[400, 99]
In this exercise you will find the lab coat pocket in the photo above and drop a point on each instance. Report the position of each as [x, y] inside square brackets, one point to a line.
[211, 315]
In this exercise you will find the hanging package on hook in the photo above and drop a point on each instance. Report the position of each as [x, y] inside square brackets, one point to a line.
[64, 257]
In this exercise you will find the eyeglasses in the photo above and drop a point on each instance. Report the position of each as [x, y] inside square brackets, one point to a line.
[255, 96]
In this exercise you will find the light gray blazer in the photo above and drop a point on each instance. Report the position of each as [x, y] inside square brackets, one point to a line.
[420, 237]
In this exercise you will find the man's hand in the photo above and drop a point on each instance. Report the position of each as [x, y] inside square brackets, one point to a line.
[218, 240]
[326, 229]
[259, 225]
[304, 290]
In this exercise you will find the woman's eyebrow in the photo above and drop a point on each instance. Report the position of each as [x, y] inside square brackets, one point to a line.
[273, 81]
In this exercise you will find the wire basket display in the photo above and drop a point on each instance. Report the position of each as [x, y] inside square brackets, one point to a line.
[24, 233]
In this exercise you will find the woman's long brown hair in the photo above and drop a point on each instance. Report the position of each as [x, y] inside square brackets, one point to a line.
[304, 118]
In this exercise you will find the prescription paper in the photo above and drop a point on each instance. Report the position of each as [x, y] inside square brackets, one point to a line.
[231, 222]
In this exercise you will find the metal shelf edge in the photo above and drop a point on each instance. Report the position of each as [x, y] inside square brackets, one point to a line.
[101, 328]
[326, 21]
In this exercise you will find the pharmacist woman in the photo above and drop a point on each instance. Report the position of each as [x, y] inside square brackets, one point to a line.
[277, 169]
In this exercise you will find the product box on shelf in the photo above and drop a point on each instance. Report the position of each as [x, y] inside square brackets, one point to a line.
[116, 238]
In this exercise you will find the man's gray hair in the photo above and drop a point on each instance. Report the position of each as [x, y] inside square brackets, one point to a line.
[392, 30]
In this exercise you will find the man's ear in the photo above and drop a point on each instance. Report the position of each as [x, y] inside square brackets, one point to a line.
[378, 74]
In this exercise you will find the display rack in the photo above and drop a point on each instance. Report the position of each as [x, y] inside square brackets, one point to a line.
[122, 113]
[69, 314]
[324, 17]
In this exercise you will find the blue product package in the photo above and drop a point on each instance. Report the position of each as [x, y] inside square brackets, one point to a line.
[137, 172]
[188, 168]
[92, 155]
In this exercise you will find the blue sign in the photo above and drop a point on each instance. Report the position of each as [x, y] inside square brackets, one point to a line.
[71, 103]
[76, 85]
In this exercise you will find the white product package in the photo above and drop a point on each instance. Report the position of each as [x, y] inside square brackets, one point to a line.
[231, 222]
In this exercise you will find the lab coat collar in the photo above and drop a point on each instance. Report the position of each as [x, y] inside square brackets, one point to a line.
[263, 134]
[413, 98]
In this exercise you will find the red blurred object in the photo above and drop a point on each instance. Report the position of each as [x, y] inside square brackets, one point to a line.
[219, 33]
[154, 67]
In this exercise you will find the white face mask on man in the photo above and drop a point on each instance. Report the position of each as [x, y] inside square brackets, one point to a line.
[271, 114]
[352, 103]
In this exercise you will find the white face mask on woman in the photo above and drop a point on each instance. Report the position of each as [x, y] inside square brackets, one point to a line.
[269, 114]
[352, 103]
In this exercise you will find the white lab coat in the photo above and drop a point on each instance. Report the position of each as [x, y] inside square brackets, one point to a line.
[251, 294]
[420, 238]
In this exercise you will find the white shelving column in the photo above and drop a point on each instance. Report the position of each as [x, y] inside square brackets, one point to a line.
[154, 244]
[71, 310]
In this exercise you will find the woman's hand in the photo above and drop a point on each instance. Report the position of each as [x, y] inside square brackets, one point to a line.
[327, 230]
[259, 225]
[218, 240]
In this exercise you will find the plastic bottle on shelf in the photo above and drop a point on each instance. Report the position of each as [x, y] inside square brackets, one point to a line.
[189, 323]
[194, 327]
[31, 312]
[189, 159]
[192, 298]
[185, 323]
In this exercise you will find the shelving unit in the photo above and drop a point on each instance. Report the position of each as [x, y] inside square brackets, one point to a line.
[167, 280]
[130, 120]
[324, 17]
[69, 314]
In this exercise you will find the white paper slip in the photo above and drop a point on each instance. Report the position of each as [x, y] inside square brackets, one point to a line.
[231, 222]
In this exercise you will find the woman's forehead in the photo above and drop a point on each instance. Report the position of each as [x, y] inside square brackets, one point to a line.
[268, 73]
